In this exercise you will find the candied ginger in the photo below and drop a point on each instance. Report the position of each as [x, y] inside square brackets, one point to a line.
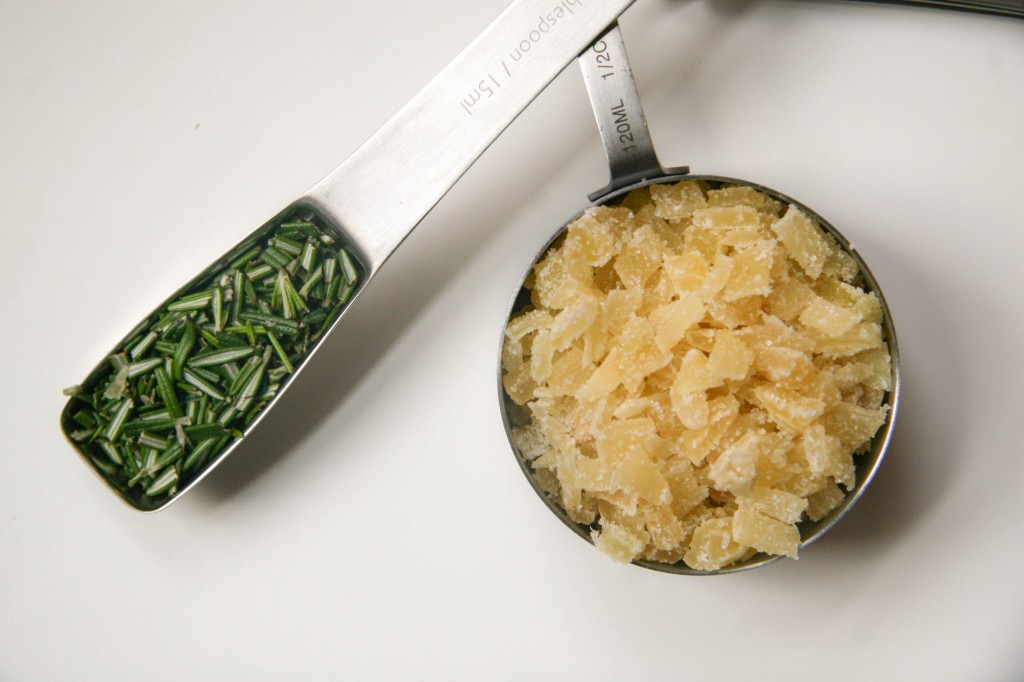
[696, 373]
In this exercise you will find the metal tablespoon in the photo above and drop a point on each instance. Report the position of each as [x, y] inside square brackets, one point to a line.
[180, 392]
[634, 164]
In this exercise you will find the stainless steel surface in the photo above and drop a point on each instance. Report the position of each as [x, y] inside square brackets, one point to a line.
[1008, 8]
[431, 142]
[620, 116]
[642, 168]
[377, 196]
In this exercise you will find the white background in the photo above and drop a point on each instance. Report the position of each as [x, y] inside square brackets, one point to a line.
[378, 526]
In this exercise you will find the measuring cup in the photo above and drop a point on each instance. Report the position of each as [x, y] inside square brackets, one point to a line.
[634, 164]
[183, 389]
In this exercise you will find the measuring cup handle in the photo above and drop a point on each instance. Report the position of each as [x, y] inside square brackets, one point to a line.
[620, 116]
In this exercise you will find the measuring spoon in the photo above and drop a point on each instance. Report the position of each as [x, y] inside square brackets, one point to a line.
[634, 164]
[183, 389]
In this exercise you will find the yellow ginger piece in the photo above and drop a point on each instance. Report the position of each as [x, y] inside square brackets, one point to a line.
[687, 271]
[625, 462]
[590, 239]
[742, 196]
[726, 218]
[640, 257]
[765, 534]
[787, 408]
[730, 358]
[678, 201]
[789, 298]
[698, 369]
[821, 502]
[751, 270]
[673, 320]
[735, 469]
[828, 318]
[803, 241]
[568, 373]
[778, 504]
[618, 542]
[713, 546]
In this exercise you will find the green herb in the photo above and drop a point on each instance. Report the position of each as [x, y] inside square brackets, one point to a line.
[290, 247]
[117, 419]
[185, 386]
[219, 356]
[191, 302]
[309, 250]
[281, 352]
[348, 267]
[143, 345]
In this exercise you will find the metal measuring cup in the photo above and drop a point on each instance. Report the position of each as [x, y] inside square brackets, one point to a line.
[634, 163]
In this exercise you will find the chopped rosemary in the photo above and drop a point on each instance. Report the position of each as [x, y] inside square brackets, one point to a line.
[348, 267]
[191, 302]
[183, 388]
[219, 356]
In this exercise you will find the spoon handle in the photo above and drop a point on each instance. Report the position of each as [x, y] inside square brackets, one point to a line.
[620, 115]
[1008, 8]
[384, 189]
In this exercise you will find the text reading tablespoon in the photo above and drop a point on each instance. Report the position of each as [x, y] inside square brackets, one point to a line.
[634, 164]
[180, 391]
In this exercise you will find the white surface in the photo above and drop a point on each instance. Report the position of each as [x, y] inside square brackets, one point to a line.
[379, 528]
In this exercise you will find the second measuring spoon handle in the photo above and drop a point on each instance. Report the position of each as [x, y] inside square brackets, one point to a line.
[385, 187]
[620, 115]
[1006, 8]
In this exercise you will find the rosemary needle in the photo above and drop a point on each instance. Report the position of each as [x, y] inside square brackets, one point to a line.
[180, 390]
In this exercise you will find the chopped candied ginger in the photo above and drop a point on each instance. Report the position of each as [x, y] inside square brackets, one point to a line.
[590, 239]
[788, 408]
[742, 195]
[542, 355]
[640, 257]
[861, 337]
[620, 306]
[686, 271]
[778, 504]
[519, 384]
[803, 241]
[527, 323]
[554, 287]
[678, 201]
[672, 320]
[568, 373]
[687, 492]
[781, 364]
[730, 358]
[726, 217]
[826, 456]
[765, 534]
[789, 298]
[696, 374]
[618, 542]
[751, 270]
[821, 502]
[624, 461]
[572, 322]
[854, 425]
[828, 318]
[735, 470]
[665, 529]
[713, 547]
